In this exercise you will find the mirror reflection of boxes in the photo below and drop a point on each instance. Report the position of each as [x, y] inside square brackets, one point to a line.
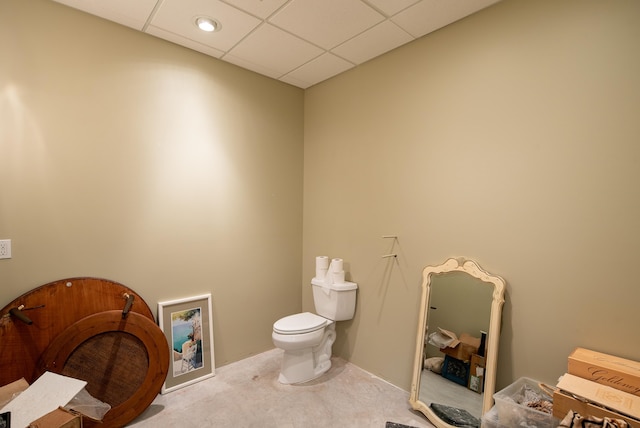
[476, 373]
[456, 370]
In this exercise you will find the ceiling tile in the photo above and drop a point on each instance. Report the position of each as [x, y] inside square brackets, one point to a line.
[430, 15]
[182, 41]
[326, 23]
[178, 17]
[391, 7]
[373, 42]
[261, 8]
[247, 64]
[301, 42]
[133, 14]
[317, 70]
[295, 82]
[274, 49]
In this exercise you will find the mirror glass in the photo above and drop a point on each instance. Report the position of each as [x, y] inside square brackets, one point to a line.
[457, 343]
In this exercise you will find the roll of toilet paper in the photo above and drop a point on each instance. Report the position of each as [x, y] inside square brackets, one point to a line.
[322, 266]
[336, 265]
[322, 262]
[338, 277]
[321, 274]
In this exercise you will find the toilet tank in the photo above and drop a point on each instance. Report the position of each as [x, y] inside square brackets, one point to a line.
[336, 302]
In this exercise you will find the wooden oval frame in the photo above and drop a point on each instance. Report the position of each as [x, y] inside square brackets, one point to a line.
[56, 355]
[56, 306]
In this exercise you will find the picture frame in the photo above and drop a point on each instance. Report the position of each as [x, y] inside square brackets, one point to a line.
[187, 325]
[5, 420]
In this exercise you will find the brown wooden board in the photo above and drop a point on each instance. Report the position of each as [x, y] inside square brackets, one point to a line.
[603, 395]
[565, 402]
[605, 369]
[57, 306]
[123, 360]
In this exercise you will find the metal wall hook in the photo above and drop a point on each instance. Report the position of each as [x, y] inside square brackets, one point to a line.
[127, 306]
[395, 239]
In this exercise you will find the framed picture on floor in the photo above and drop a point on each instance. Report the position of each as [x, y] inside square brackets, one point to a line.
[187, 325]
[5, 420]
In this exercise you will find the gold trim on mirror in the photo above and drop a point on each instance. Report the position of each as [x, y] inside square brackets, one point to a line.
[473, 269]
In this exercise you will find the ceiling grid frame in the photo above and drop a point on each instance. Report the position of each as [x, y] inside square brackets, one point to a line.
[270, 37]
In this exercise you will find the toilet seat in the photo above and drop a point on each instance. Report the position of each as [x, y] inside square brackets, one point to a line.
[304, 322]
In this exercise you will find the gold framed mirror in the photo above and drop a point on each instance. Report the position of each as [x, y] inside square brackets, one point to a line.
[456, 357]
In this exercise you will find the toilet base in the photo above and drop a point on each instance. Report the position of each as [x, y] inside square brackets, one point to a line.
[297, 367]
[303, 365]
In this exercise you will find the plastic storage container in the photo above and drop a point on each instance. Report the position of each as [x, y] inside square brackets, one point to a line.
[512, 408]
[490, 419]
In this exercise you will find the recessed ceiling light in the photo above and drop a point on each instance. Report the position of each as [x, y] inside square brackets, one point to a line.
[207, 24]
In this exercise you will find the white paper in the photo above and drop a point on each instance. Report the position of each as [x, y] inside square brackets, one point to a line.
[46, 394]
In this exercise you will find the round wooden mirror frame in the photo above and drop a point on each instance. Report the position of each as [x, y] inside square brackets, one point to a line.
[55, 309]
[129, 382]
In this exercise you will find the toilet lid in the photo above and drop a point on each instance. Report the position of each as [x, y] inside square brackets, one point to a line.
[305, 322]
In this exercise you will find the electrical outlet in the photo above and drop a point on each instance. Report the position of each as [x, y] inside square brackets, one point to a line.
[5, 248]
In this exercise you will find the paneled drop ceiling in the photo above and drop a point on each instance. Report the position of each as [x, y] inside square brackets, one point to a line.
[300, 42]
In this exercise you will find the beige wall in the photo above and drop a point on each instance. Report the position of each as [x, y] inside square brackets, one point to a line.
[126, 157]
[511, 138]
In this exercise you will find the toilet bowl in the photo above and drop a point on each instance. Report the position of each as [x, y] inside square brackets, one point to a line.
[307, 338]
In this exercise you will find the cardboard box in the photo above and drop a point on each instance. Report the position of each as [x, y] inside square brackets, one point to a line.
[476, 373]
[467, 346]
[49, 392]
[601, 395]
[9, 391]
[615, 372]
[58, 418]
[563, 403]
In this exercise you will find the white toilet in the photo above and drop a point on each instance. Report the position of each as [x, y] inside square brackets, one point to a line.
[307, 338]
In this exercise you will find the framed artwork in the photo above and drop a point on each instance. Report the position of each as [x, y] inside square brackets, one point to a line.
[187, 325]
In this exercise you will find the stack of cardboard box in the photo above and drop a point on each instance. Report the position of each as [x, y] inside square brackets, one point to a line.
[599, 385]
[40, 405]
